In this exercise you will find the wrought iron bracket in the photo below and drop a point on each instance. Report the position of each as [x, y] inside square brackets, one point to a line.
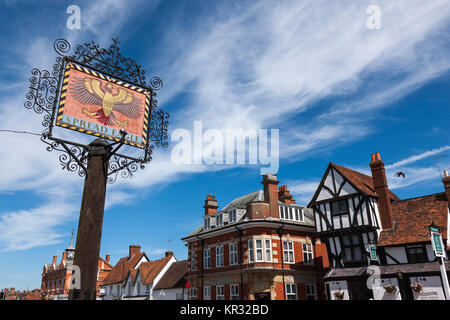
[43, 98]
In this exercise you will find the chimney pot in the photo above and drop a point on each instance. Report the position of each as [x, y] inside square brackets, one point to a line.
[107, 258]
[445, 173]
[169, 253]
[210, 205]
[55, 258]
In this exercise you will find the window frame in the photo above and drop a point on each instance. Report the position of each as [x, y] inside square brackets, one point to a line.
[219, 254]
[232, 215]
[233, 253]
[223, 292]
[289, 292]
[251, 253]
[409, 255]
[207, 258]
[236, 295]
[206, 296]
[340, 211]
[314, 294]
[352, 246]
[193, 296]
[308, 252]
[220, 215]
[207, 224]
[259, 250]
[268, 250]
[287, 250]
[192, 260]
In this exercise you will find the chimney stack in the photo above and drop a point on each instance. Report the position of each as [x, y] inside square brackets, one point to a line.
[270, 184]
[107, 258]
[64, 257]
[169, 253]
[285, 196]
[446, 181]
[55, 258]
[381, 188]
[134, 249]
[210, 205]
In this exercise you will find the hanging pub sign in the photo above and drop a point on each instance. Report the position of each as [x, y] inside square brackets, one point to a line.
[436, 241]
[373, 252]
[100, 105]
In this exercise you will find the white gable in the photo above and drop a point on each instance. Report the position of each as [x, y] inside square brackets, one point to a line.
[324, 194]
[347, 189]
[329, 181]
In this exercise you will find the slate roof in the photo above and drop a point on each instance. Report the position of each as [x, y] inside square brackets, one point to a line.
[120, 271]
[412, 218]
[174, 276]
[242, 202]
[386, 270]
[361, 181]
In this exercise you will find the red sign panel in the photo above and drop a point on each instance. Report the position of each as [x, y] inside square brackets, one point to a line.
[100, 105]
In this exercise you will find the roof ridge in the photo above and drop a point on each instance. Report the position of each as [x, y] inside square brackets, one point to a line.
[428, 195]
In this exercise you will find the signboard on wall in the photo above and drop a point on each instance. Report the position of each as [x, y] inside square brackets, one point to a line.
[373, 252]
[438, 245]
[436, 241]
[101, 105]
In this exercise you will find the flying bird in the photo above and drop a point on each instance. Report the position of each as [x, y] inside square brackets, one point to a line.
[400, 174]
[90, 91]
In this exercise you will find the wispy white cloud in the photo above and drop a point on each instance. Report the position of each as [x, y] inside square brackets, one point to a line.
[253, 65]
[417, 157]
[25, 229]
[304, 190]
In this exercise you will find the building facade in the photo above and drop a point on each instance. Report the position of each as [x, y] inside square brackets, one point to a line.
[260, 246]
[370, 232]
[57, 277]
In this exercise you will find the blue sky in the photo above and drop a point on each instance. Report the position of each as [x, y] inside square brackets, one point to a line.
[336, 91]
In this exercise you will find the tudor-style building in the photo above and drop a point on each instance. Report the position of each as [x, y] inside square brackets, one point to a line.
[354, 212]
[260, 246]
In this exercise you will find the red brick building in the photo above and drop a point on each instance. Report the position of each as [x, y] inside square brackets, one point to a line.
[57, 277]
[260, 246]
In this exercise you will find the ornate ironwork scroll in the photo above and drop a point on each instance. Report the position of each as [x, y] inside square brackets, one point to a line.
[43, 97]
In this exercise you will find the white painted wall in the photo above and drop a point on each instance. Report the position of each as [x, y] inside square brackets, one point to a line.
[398, 253]
[338, 286]
[379, 293]
[431, 288]
[169, 294]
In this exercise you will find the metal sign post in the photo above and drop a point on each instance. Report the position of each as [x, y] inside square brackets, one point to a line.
[100, 93]
[439, 251]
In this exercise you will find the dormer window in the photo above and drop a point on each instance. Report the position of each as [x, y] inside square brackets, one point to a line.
[291, 213]
[219, 220]
[232, 215]
[207, 223]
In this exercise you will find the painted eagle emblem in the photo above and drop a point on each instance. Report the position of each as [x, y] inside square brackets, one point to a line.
[111, 98]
